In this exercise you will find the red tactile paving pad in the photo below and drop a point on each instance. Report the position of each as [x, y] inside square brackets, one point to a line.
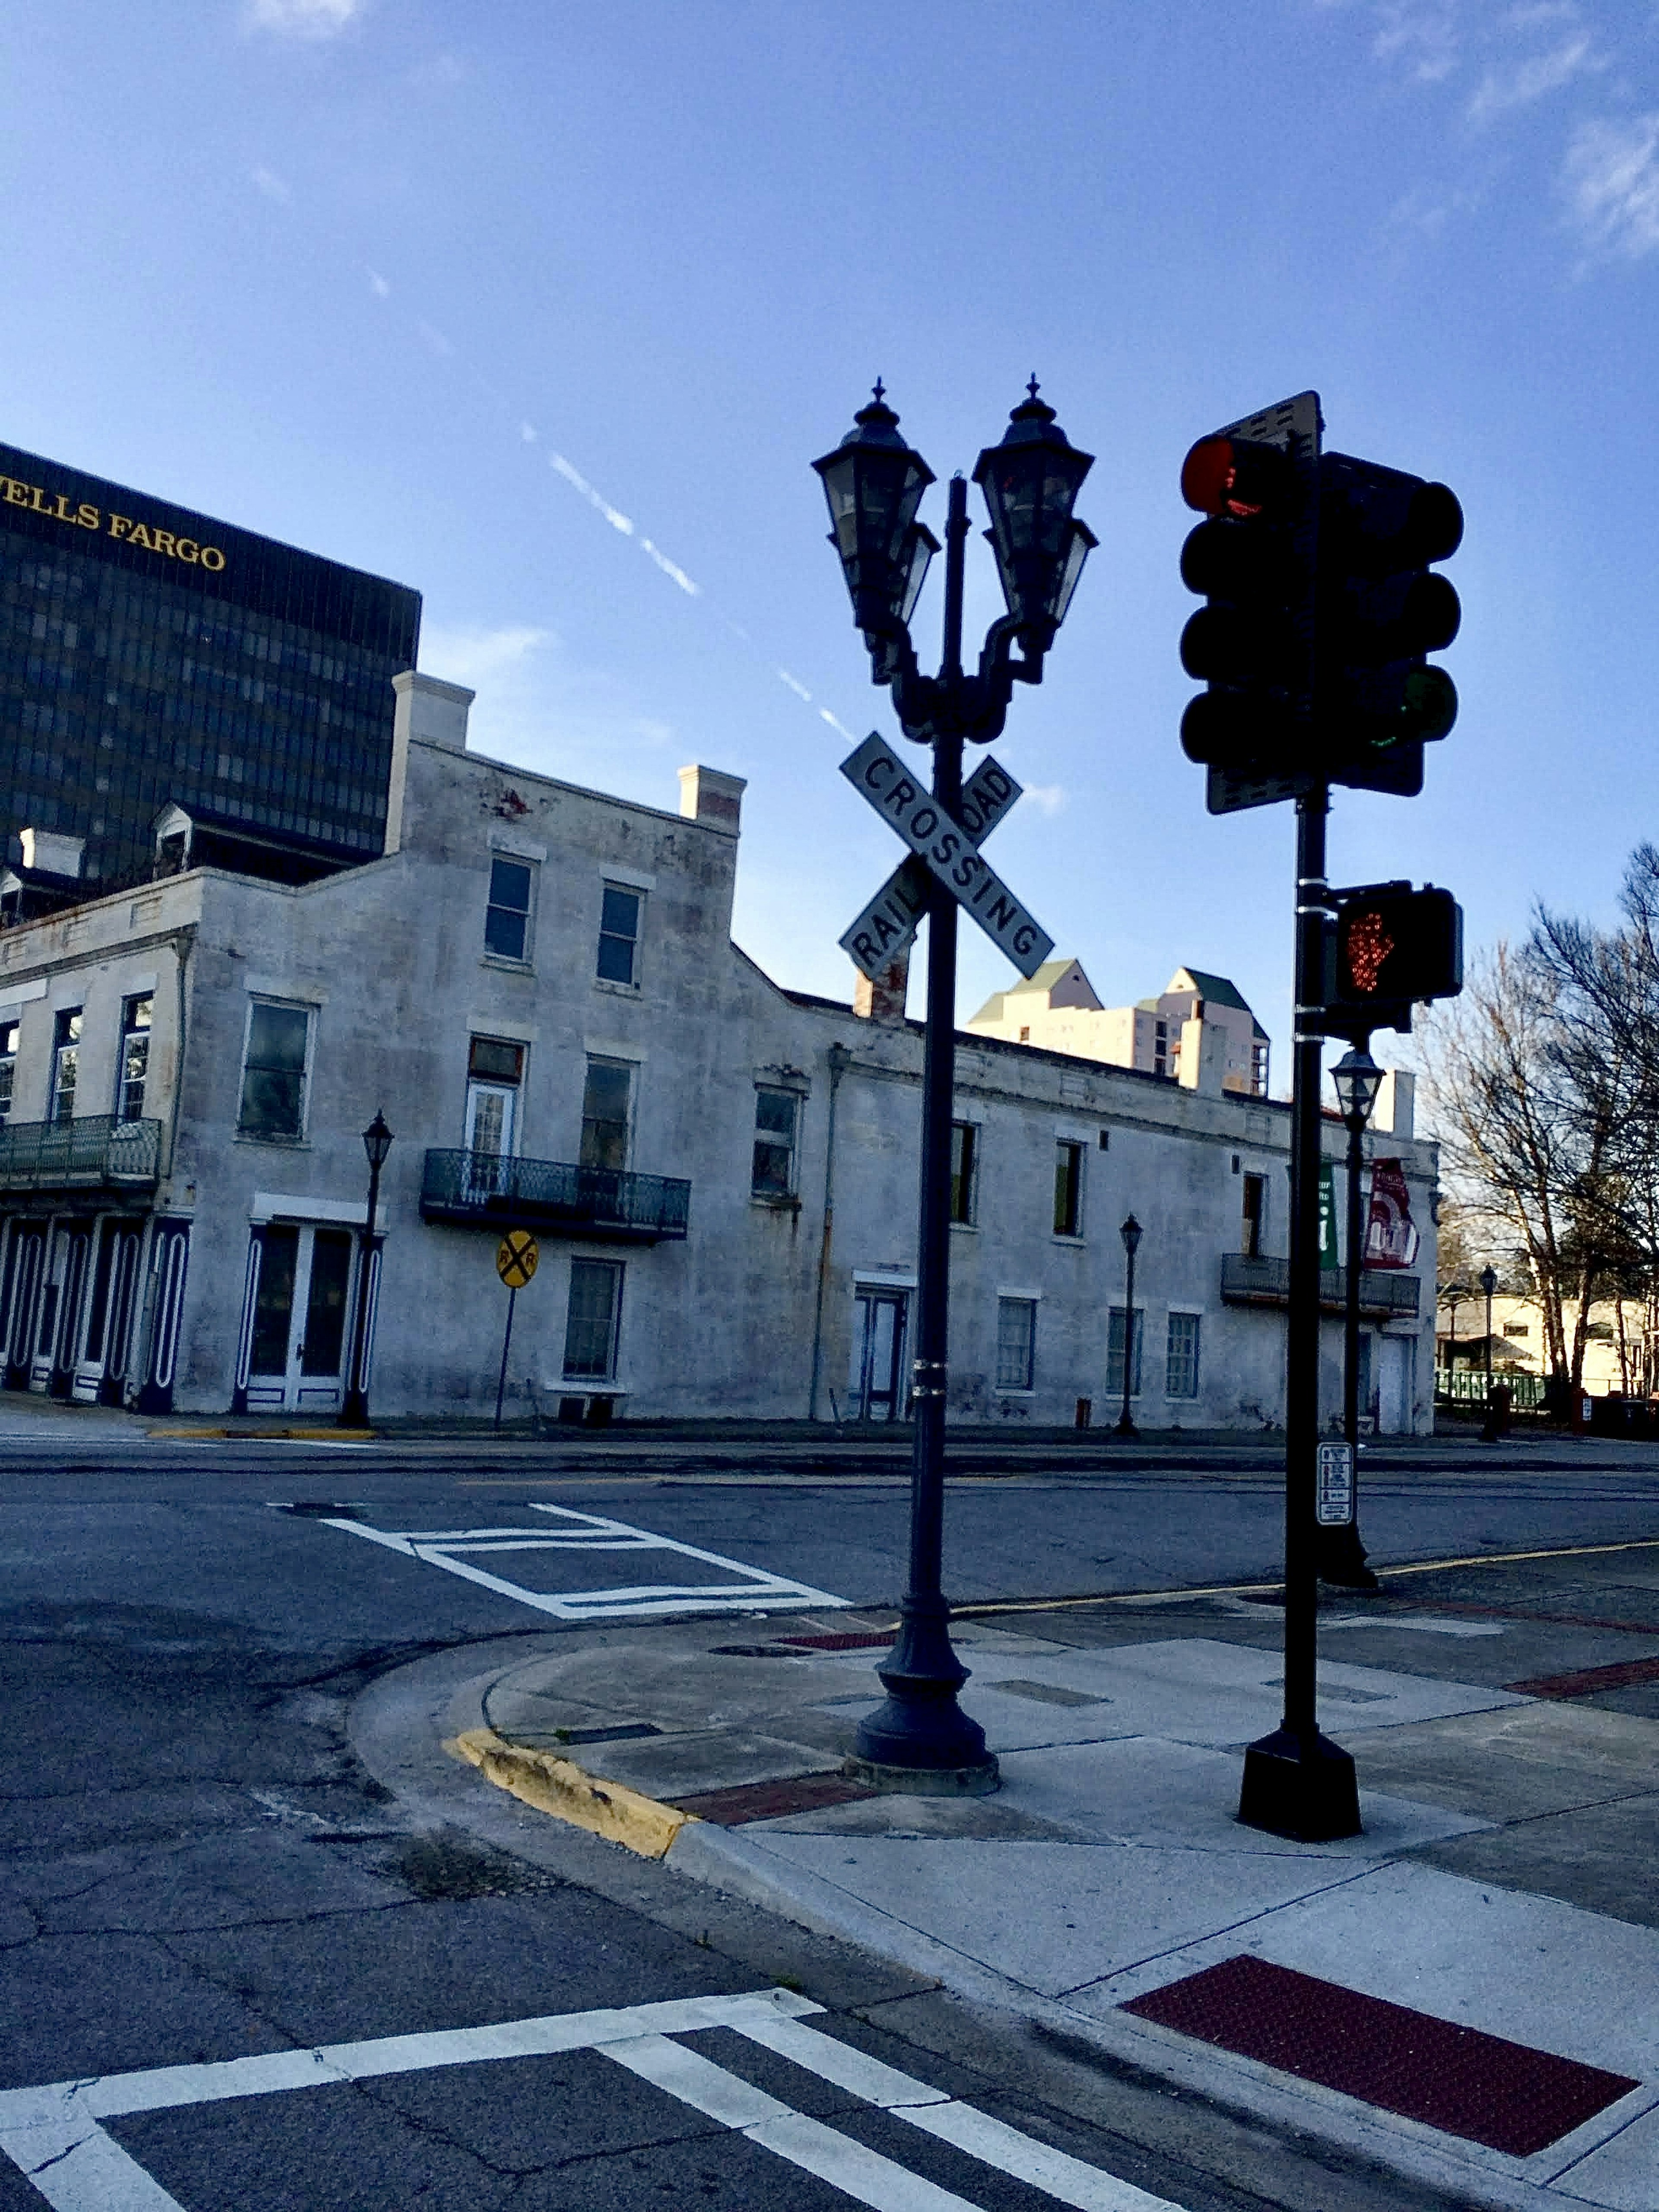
[1623, 1674]
[1465, 2083]
[771, 1800]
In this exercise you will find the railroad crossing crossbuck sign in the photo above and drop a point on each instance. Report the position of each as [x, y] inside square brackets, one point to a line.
[942, 845]
[516, 1258]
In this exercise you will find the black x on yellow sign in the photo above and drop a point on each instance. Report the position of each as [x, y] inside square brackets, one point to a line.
[516, 1258]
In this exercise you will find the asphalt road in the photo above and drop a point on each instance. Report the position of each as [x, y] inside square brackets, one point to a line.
[194, 1868]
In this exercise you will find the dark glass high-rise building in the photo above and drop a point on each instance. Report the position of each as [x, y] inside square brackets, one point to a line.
[151, 655]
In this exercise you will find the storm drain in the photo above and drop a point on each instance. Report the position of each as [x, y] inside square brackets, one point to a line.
[771, 1800]
[1465, 2082]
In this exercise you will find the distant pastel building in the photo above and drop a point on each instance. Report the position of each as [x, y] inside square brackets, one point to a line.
[1198, 1032]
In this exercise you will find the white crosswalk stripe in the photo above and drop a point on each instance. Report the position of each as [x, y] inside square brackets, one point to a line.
[53, 2134]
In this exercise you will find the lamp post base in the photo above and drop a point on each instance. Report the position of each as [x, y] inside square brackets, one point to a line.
[1302, 1787]
[918, 1729]
[353, 1411]
[1341, 1560]
[1129, 1432]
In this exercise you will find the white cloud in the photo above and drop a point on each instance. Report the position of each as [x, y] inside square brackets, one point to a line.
[378, 285]
[464, 653]
[1049, 798]
[527, 432]
[672, 569]
[304, 19]
[268, 182]
[1518, 84]
[1611, 180]
[1419, 36]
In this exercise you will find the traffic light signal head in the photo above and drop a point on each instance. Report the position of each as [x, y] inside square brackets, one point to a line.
[1252, 561]
[1380, 612]
[1391, 948]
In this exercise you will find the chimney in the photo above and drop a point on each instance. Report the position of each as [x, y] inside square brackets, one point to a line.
[707, 795]
[1396, 1104]
[431, 712]
[52, 853]
[882, 1002]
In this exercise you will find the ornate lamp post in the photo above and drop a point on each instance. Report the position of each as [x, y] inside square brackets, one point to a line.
[919, 1738]
[1488, 1285]
[1357, 1078]
[354, 1409]
[1130, 1231]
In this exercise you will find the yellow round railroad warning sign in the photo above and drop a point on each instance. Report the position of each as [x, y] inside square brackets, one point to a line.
[516, 1256]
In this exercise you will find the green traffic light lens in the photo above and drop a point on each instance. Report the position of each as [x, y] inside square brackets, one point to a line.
[1430, 706]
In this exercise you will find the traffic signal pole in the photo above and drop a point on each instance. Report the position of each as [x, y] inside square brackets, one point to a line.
[1296, 1782]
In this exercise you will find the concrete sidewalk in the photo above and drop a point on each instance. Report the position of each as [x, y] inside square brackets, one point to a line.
[1468, 1993]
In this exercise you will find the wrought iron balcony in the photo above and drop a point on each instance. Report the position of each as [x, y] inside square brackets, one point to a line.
[1251, 1280]
[608, 1205]
[94, 1152]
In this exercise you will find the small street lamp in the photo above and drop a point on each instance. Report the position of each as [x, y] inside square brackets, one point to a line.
[1488, 1284]
[919, 1737]
[354, 1409]
[1357, 1078]
[1130, 1231]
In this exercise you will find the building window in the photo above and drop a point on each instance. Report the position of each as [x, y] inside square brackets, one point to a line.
[591, 1320]
[777, 1116]
[1115, 1332]
[619, 935]
[1524, 1328]
[1016, 1343]
[135, 1058]
[1259, 1051]
[274, 1071]
[506, 925]
[1160, 1048]
[8, 1068]
[1068, 1188]
[495, 1071]
[1256, 1216]
[1180, 1370]
[607, 1096]
[65, 1063]
[964, 1166]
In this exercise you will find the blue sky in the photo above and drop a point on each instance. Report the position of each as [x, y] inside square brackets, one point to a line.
[546, 309]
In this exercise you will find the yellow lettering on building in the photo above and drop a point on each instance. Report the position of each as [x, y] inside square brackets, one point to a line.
[56, 508]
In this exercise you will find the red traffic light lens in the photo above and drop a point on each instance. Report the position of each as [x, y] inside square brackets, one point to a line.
[1366, 948]
[1207, 475]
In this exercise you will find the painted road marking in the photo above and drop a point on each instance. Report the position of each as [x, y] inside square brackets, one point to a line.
[756, 1591]
[52, 2133]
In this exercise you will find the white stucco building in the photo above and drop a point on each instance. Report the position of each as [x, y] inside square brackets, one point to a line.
[537, 985]
[1197, 1031]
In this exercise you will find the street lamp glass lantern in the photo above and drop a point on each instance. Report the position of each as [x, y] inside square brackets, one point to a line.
[1489, 1280]
[873, 484]
[1357, 1078]
[1030, 481]
[377, 1142]
[919, 554]
[1130, 1231]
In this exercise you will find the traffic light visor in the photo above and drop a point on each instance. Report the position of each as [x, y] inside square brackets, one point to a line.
[1233, 475]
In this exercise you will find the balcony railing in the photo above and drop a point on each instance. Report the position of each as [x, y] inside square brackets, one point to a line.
[94, 1152]
[607, 1204]
[1248, 1279]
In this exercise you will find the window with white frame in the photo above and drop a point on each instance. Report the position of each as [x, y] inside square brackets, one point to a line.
[777, 1124]
[592, 1320]
[1016, 1343]
[275, 1066]
[8, 1068]
[66, 1063]
[620, 916]
[1181, 1367]
[1115, 1331]
[512, 901]
[133, 1071]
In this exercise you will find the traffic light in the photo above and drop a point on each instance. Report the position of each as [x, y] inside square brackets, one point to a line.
[1252, 642]
[1380, 613]
[1390, 948]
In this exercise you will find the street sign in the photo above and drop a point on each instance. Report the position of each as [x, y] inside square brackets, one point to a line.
[1335, 1507]
[892, 917]
[942, 842]
[516, 1256]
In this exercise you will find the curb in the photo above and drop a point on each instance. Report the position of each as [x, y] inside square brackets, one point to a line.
[568, 1792]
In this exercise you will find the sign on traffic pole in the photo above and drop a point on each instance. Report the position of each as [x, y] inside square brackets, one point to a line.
[517, 1257]
[943, 844]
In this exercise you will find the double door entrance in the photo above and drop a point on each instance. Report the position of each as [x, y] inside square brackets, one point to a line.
[876, 1384]
[297, 1335]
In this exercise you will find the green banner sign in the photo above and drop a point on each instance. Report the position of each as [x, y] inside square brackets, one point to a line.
[1328, 1256]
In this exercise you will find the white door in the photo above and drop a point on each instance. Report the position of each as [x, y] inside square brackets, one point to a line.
[491, 1109]
[301, 1312]
[876, 1381]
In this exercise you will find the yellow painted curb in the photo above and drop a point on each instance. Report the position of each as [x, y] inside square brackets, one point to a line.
[569, 1792]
